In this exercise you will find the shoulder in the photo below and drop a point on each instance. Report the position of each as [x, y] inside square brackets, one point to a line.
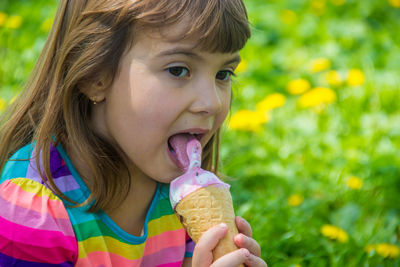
[17, 164]
[34, 225]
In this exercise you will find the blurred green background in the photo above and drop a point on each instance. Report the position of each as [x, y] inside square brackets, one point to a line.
[312, 142]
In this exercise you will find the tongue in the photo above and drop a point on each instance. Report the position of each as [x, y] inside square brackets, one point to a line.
[179, 143]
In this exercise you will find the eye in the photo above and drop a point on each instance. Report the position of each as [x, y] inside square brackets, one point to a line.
[178, 71]
[224, 75]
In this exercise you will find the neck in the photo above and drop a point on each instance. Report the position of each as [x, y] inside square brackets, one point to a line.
[131, 213]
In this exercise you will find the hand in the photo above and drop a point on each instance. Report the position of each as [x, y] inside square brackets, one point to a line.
[249, 252]
[203, 252]
[244, 240]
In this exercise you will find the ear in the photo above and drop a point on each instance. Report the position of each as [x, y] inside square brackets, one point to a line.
[95, 92]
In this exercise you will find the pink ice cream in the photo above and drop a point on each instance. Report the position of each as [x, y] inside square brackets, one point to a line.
[189, 156]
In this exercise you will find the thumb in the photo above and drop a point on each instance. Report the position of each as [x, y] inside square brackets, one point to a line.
[202, 254]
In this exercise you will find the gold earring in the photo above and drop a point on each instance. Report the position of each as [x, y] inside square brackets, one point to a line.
[95, 101]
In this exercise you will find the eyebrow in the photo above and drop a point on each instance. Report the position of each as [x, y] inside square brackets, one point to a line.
[189, 53]
[236, 59]
[179, 51]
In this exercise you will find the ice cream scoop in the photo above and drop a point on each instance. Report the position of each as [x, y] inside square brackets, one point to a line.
[202, 200]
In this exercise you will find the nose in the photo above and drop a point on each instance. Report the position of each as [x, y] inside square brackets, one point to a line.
[208, 98]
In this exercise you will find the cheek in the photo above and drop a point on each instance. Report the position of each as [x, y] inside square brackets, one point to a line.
[226, 103]
[154, 108]
[135, 108]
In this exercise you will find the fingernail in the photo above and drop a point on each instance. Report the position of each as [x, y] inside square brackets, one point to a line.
[246, 253]
[223, 225]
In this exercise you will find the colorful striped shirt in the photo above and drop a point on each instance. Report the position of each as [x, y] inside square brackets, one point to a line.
[37, 228]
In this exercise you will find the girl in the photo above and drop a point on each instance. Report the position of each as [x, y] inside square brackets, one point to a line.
[84, 150]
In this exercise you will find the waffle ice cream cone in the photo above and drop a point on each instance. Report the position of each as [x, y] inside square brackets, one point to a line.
[201, 200]
[205, 208]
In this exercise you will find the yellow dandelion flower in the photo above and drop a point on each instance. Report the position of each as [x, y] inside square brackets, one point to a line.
[342, 236]
[320, 64]
[317, 96]
[387, 250]
[288, 17]
[394, 3]
[3, 18]
[271, 102]
[354, 183]
[338, 2]
[295, 200]
[298, 86]
[333, 78]
[334, 233]
[13, 22]
[355, 77]
[3, 104]
[248, 120]
[46, 25]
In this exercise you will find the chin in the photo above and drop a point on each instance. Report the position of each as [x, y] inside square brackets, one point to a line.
[166, 179]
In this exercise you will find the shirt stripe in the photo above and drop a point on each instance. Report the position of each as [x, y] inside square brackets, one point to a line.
[16, 214]
[34, 237]
[168, 255]
[165, 240]
[6, 260]
[107, 259]
[19, 196]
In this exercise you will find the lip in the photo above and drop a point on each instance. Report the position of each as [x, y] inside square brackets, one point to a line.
[200, 132]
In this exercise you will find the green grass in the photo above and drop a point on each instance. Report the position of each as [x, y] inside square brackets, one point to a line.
[310, 152]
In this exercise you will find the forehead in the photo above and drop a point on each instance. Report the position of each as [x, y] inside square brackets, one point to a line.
[168, 35]
[167, 41]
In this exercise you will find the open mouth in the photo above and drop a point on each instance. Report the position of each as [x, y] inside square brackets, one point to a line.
[197, 136]
[177, 148]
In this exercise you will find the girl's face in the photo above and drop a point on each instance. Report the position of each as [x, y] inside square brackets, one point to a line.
[164, 88]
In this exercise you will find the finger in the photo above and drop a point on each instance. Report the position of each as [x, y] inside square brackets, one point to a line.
[243, 226]
[233, 259]
[202, 254]
[254, 261]
[249, 243]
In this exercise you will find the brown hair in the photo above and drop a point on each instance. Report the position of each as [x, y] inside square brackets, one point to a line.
[86, 42]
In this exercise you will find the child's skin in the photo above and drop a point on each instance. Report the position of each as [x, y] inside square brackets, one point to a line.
[164, 88]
